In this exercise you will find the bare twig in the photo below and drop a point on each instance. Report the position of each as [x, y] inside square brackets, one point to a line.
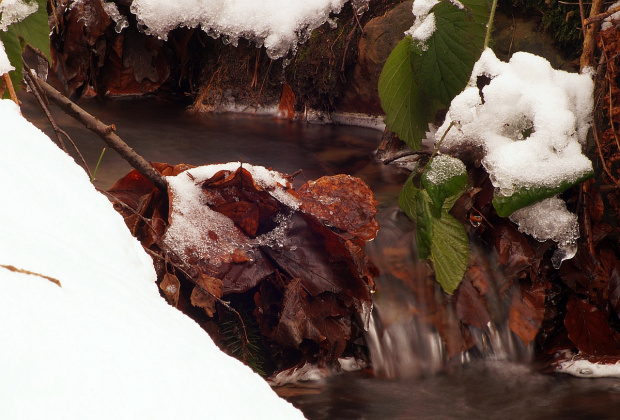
[601, 16]
[106, 132]
[32, 273]
[589, 42]
[9, 86]
[600, 153]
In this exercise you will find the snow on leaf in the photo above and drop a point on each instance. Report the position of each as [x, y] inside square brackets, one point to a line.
[444, 177]
[171, 288]
[442, 68]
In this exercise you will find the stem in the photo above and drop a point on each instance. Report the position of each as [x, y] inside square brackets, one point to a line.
[92, 178]
[439, 142]
[487, 38]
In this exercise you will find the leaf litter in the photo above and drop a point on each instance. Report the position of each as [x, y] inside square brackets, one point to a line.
[239, 243]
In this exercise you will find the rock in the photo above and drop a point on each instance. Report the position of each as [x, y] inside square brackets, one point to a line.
[381, 35]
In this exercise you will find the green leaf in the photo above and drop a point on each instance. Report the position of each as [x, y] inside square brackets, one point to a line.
[443, 177]
[523, 197]
[35, 29]
[14, 53]
[449, 251]
[415, 204]
[407, 110]
[444, 67]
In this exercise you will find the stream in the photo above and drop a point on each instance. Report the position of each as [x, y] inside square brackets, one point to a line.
[496, 386]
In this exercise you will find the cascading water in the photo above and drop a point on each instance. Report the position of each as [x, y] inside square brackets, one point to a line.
[414, 329]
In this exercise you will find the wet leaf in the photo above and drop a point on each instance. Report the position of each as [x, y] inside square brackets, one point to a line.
[588, 329]
[471, 308]
[206, 292]
[171, 287]
[523, 197]
[513, 250]
[527, 311]
[449, 251]
[342, 201]
[614, 289]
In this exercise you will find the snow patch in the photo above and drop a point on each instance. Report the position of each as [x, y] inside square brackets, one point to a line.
[5, 64]
[279, 25]
[105, 344]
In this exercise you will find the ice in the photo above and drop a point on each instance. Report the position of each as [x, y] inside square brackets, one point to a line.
[197, 231]
[279, 25]
[112, 10]
[105, 345]
[549, 219]
[581, 367]
[12, 11]
[532, 122]
[444, 167]
[424, 24]
[5, 64]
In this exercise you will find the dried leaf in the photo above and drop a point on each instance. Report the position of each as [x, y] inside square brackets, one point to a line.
[514, 251]
[286, 108]
[471, 307]
[588, 329]
[206, 293]
[614, 289]
[342, 201]
[527, 311]
[171, 287]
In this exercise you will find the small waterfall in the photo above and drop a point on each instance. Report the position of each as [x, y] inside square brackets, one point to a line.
[415, 329]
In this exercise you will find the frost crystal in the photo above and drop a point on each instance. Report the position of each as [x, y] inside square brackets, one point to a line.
[279, 25]
[12, 11]
[444, 167]
[112, 10]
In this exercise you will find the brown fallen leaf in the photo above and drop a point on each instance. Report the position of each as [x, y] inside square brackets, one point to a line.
[171, 287]
[206, 293]
[527, 311]
[588, 329]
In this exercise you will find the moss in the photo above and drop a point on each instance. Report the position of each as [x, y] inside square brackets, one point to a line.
[560, 20]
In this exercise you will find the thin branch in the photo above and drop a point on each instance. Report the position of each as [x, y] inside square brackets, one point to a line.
[487, 38]
[600, 153]
[601, 16]
[106, 132]
[32, 273]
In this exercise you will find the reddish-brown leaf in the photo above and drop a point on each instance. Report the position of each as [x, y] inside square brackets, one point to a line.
[588, 329]
[342, 201]
[527, 311]
[471, 307]
[513, 249]
[614, 289]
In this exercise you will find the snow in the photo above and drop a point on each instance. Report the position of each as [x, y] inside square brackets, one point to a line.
[279, 25]
[444, 167]
[424, 24]
[576, 365]
[194, 227]
[608, 22]
[105, 344]
[532, 123]
[5, 64]
[12, 11]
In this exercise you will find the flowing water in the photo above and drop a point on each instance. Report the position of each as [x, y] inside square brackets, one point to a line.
[415, 377]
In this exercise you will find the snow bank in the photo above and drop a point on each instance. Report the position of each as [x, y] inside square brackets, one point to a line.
[279, 25]
[105, 344]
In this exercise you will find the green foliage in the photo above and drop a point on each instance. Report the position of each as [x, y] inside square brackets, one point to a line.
[523, 197]
[440, 237]
[33, 30]
[444, 177]
[443, 67]
[407, 110]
